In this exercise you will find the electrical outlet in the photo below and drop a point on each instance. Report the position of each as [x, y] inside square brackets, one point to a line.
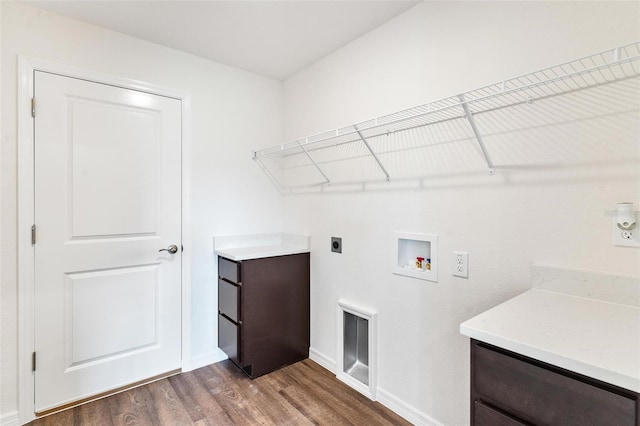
[336, 244]
[626, 237]
[460, 264]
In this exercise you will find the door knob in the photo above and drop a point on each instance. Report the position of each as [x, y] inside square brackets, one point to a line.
[173, 249]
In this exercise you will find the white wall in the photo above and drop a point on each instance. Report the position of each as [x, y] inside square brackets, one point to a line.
[549, 215]
[506, 222]
[232, 112]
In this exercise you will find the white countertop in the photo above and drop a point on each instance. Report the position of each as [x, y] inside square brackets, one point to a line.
[244, 247]
[592, 337]
[257, 252]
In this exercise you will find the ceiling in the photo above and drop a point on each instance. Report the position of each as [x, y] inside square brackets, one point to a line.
[272, 38]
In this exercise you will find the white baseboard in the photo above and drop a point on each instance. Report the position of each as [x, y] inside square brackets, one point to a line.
[323, 360]
[395, 404]
[10, 419]
[404, 410]
[208, 358]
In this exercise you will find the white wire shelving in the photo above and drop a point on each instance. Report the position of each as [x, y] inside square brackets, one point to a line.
[409, 143]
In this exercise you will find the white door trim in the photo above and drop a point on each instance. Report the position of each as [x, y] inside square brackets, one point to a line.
[26, 323]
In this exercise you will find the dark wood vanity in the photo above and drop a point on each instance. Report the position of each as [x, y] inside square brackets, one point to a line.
[263, 311]
[508, 389]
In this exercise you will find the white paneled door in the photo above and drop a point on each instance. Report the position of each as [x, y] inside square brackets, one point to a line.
[107, 199]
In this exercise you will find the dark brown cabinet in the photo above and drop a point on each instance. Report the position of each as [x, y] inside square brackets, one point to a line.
[511, 389]
[263, 311]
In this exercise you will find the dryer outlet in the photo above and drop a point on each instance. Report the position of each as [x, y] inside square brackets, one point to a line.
[336, 244]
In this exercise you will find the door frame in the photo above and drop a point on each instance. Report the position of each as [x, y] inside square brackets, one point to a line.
[26, 210]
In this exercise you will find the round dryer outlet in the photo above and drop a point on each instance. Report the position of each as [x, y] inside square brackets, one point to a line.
[336, 244]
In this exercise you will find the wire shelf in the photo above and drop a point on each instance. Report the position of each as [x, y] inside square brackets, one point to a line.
[418, 141]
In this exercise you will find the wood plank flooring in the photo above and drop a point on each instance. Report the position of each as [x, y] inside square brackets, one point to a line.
[220, 394]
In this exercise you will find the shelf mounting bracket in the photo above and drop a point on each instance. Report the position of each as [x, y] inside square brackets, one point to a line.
[314, 163]
[472, 123]
[268, 173]
[373, 154]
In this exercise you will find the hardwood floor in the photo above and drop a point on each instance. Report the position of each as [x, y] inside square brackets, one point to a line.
[220, 394]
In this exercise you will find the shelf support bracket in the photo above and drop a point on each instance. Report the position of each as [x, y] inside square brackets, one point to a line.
[314, 163]
[375, 157]
[472, 123]
[256, 158]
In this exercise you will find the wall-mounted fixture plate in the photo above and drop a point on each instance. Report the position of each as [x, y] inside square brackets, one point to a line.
[411, 246]
[336, 244]
[460, 264]
[626, 226]
[623, 238]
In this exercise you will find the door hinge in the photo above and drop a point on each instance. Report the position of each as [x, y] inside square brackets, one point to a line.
[33, 234]
[33, 361]
[33, 107]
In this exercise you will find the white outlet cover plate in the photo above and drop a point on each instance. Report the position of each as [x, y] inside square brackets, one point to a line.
[618, 239]
[460, 264]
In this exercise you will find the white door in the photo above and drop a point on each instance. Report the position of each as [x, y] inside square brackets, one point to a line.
[107, 198]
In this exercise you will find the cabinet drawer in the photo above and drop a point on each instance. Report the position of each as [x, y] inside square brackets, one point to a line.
[229, 338]
[487, 416]
[229, 270]
[540, 395]
[229, 299]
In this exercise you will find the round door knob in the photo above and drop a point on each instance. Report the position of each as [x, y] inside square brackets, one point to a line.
[173, 249]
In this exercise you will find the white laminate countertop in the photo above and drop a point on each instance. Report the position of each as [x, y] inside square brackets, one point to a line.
[257, 252]
[244, 247]
[592, 337]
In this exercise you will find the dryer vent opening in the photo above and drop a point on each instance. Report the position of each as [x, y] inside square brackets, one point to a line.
[356, 348]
